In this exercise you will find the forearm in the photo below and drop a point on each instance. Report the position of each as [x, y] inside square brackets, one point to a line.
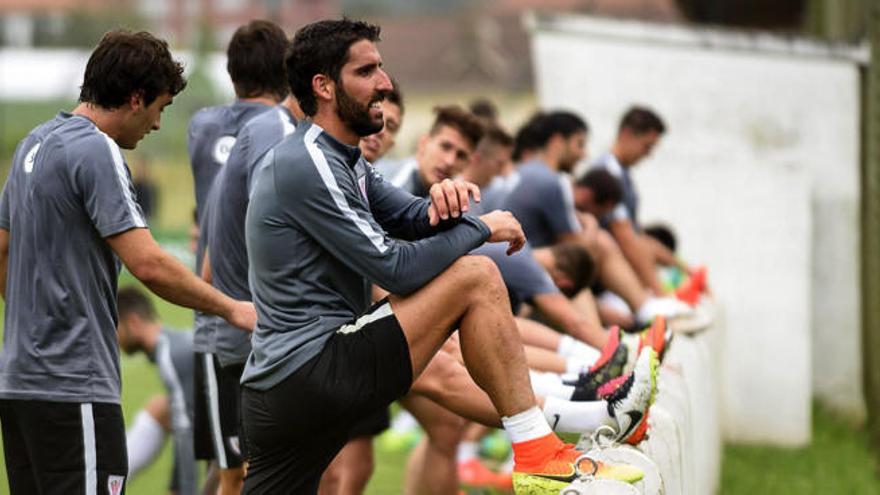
[172, 281]
[560, 310]
[638, 257]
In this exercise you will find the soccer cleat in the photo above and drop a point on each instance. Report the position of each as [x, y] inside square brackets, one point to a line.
[690, 291]
[474, 474]
[565, 466]
[668, 307]
[613, 362]
[657, 337]
[629, 398]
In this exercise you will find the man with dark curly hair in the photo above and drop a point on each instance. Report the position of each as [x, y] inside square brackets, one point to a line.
[68, 216]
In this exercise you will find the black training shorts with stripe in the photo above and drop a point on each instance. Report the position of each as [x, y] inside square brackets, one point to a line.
[217, 421]
[64, 448]
[297, 427]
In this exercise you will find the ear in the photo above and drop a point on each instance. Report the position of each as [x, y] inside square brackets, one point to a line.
[323, 87]
[136, 101]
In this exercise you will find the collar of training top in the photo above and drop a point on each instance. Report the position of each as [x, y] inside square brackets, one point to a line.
[351, 154]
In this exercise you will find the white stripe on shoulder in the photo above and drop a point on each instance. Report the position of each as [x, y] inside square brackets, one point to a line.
[286, 125]
[122, 177]
[90, 453]
[329, 180]
[402, 175]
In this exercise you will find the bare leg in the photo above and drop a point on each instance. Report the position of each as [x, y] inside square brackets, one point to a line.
[616, 273]
[471, 295]
[332, 477]
[431, 470]
[358, 465]
[586, 306]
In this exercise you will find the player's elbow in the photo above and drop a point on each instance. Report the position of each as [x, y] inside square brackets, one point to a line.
[147, 269]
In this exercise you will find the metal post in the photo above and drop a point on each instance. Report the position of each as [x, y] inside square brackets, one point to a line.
[871, 228]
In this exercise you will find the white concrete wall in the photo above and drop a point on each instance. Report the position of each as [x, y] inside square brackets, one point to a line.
[759, 175]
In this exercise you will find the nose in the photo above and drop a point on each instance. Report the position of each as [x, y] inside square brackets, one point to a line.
[384, 81]
[157, 123]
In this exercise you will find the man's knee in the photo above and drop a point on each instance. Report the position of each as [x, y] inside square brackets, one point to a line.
[478, 273]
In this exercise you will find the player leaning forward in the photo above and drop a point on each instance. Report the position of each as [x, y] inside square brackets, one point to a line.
[67, 217]
[316, 237]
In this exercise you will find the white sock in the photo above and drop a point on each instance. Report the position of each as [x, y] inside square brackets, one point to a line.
[145, 439]
[403, 422]
[571, 347]
[576, 365]
[550, 385]
[467, 451]
[669, 307]
[527, 425]
[576, 417]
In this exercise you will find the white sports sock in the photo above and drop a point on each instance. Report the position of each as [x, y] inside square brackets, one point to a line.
[550, 385]
[669, 307]
[576, 365]
[527, 425]
[576, 417]
[403, 422]
[145, 439]
[467, 451]
[571, 347]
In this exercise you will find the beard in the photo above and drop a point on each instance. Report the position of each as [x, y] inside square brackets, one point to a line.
[356, 116]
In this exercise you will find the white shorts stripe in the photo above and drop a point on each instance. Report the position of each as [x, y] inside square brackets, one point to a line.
[90, 455]
[214, 411]
[380, 312]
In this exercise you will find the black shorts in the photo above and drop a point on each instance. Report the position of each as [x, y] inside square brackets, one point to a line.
[297, 427]
[64, 447]
[371, 425]
[217, 422]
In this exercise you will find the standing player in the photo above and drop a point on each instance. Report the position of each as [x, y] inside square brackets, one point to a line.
[255, 62]
[315, 227]
[352, 468]
[139, 330]
[67, 217]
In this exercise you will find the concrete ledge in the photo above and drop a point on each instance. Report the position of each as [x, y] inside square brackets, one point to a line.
[684, 435]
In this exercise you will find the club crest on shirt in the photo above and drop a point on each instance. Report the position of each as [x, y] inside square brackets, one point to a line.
[222, 148]
[115, 484]
[30, 158]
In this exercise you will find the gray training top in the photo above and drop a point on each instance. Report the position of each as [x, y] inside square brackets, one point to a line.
[628, 207]
[211, 136]
[542, 201]
[68, 189]
[228, 206]
[174, 357]
[524, 277]
[321, 226]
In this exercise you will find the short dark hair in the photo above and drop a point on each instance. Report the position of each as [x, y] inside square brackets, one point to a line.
[125, 63]
[484, 109]
[641, 120]
[576, 263]
[559, 122]
[322, 48]
[663, 234]
[130, 300]
[461, 120]
[606, 188]
[255, 60]
[526, 138]
[496, 135]
[395, 95]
